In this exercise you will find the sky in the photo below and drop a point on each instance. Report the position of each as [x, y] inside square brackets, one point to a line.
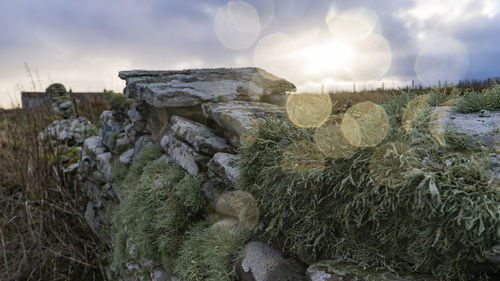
[84, 44]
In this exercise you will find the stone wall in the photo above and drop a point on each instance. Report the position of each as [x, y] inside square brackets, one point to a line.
[199, 117]
[34, 99]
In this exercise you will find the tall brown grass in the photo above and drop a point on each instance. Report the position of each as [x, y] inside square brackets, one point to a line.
[43, 234]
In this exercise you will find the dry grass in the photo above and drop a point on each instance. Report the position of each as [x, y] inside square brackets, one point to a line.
[43, 234]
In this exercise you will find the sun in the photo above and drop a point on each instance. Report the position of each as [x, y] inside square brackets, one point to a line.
[326, 58]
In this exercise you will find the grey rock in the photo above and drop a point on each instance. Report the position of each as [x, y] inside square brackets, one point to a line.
[104, 165]
[71, 168]
[201, 137]
[68, 131]
[484, 113]
[192, 87]
[65, 105]
[122, 142]
[183, 154]
[261, 262]
[110, 123]
[224, 166]
[148, 119]
[141, 142]
[258, 258]
[212, 189]
[493, 255]
[92, 146]
[127, 156]
[238, 117]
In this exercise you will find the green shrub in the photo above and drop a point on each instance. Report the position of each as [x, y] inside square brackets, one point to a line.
[118, 170]
[208, 254]
[444, 217]
[473, 101]
[113, 137]
[116, 101]
[159, 203]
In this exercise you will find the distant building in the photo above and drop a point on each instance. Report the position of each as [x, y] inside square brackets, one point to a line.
[34, 99]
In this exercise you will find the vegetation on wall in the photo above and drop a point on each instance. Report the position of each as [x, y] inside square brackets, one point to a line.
[425, 209]
[116, 101]
[160, 205]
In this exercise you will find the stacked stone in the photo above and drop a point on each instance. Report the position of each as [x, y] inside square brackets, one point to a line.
[199, 117]
[61, 101]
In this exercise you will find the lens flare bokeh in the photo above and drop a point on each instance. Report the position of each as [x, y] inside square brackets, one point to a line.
[237, 25]
[330, 140]
[353, 24]
[365, 124]
[437, 125]
[239, 205]
[413, 112]
[308, 110]
[442, 59]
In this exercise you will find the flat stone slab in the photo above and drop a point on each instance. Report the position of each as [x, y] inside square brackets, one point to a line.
[477, 129]
[181, 153]
[224, 167]
[201, 137]
[68, 131]
[238, 116]
[261, 262]
[194, 86]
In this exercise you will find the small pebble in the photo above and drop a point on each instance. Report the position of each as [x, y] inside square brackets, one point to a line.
[484, 113]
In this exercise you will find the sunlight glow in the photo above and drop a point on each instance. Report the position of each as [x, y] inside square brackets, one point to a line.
[328, 57]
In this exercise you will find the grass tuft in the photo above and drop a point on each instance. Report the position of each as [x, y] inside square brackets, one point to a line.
[444, 216]
[208, 254]
[473, 101]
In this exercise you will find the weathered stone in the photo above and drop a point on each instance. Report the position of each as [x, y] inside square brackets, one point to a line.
[141, 142]
[493, 255]
[201, 137]
[126, 157]
[484, 113]
[192, 87]
[476, 131]
[182, 153]
[104, 165]
[92, 146]
[71, 168]
[149, 119]
[330, 271]
[68, 132]
[123, 143]
[224, 167]
[110, 125]
[260, 262]
[238, 116]
[61, 101]
[212, 189]
[65, 105]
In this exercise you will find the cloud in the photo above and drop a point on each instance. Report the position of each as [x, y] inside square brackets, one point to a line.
[83, 44]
